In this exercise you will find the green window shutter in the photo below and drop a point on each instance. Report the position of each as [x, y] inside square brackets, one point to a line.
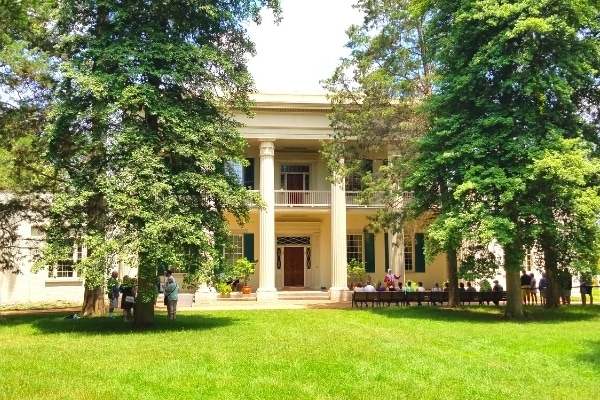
[386, 253]
[419, 252]
[249, 246]
[370, 252]
[249, 174]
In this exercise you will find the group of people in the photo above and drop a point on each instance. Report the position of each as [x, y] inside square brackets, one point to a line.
[127, 291]
[529, 288]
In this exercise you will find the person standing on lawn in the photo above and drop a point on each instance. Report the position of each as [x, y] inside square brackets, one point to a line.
[543, 285]
[171, 296]
[112, 288]
[128, 290]
[533, 289]
[525, 288]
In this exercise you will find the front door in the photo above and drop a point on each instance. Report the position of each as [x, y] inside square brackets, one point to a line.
[293, 268]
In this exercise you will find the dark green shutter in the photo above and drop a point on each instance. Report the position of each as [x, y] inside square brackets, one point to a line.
[249, 246]
[386, 253]
[419, 252]
[370, 252]
[248, 174]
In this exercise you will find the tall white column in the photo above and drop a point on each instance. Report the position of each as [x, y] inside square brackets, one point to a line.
[266, 290]
[339, 275]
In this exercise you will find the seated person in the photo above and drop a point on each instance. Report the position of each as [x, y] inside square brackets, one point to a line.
[368, 287]
[470, 288]
[359, 287]
[436, 288]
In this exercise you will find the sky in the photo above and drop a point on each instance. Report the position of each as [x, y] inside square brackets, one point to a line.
[304, 48]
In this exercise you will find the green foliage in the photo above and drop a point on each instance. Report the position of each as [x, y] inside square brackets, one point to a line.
[223, 288]
[141, 128]
[356, 271]
[513, 80]
[244, 269]
[374, 94]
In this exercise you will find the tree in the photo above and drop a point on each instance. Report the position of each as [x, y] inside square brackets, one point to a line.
[512, 78]
[565, 203]
[144, 135]
[26, 82]
[374, 94]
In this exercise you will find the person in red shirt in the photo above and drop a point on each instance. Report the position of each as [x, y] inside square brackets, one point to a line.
[390, 280]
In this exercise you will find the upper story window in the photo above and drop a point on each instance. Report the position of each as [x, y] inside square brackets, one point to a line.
[244, 174]
[354, 181]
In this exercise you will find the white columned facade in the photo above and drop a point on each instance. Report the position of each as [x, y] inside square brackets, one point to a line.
[266, 290]
[339, 275]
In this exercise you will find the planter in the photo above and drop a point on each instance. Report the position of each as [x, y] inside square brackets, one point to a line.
[246, 289]
[185, 300]
[225, 294]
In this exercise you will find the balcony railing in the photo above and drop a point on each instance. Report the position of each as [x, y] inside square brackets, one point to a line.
[321, 198]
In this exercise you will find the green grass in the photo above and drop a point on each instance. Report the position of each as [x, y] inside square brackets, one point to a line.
[389, 352]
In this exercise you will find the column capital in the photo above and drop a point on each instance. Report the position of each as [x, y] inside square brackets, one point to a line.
[267, 148]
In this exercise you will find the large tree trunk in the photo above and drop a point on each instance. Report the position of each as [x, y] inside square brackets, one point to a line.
[452, 260]
[146, 294]
[513, 263]
[93, 302]
[514, 303]
[551, 265]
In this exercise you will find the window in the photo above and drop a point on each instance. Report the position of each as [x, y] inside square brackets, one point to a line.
[354, 181]
[528, 261]
[354, 247]
[64, 268]
[236, 251]
[408, 253]
[244, 174]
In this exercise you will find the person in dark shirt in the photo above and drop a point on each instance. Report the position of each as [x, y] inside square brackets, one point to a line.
[543, 288]
[525, 288]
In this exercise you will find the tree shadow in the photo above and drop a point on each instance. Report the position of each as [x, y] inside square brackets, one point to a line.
[485, 314]
[591, 354]
[53, 323]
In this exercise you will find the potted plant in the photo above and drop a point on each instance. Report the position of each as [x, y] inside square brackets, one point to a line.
[244, 269]
[224, 289]
[356, 272]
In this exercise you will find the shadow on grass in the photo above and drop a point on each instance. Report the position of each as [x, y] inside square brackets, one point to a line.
[592, 355]
[50, 323]
[485, 314]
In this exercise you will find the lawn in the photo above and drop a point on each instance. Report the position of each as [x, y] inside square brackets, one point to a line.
[388, 352]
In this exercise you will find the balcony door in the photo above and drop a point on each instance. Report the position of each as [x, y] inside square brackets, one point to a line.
[295, 178]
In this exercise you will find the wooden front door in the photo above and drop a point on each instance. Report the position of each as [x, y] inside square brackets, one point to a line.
[293, 266]
[295, 182]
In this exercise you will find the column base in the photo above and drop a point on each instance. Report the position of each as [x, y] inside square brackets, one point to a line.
[204, 295]
[340, 294]
[266, 294]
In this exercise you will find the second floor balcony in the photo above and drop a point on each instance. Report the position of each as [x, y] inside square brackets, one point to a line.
[322, 198]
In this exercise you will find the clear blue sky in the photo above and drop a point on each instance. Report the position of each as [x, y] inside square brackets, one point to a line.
[304, 48]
